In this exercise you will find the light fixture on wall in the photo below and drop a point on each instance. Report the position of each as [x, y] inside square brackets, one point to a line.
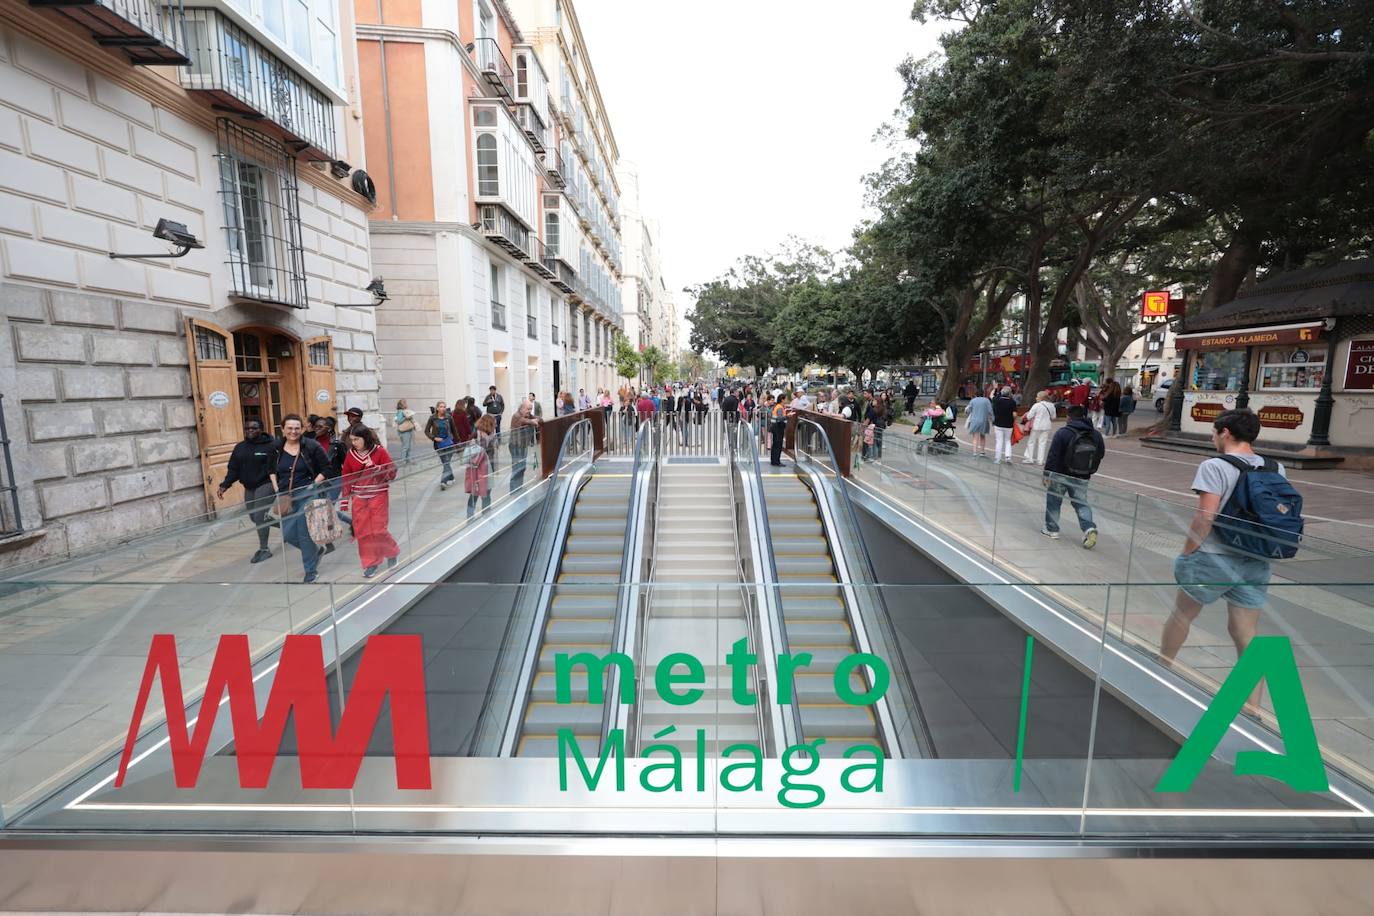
[378, 290]
[168, 231]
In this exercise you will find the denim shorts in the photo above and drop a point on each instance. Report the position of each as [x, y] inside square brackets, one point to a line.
[1206, 577]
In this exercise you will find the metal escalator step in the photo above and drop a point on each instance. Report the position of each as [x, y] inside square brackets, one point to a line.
[591, 563]
[565, 607]
[837, 721]
[819, 607]
[545, 687]
[608, 509]
[835, 747]
[777, 509]
[548, 718]
[824, 659]
[793, 527]
[718, 736]
[800, 545]
[599, 527]
[588, 578]
[819, 633]
[576, 631]
[579, 542]
[543, 746]
[790, 566]
[817, 689]
[548, 653]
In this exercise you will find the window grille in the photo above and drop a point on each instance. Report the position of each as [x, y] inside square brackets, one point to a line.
[211, 346]
[319, 353]
[262, 223]
[11, 521]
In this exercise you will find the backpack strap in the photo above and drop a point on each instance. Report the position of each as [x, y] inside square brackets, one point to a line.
[1240, 464]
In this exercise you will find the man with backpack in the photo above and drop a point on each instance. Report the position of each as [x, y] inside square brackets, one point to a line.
[1075, 454]
[1247, 514]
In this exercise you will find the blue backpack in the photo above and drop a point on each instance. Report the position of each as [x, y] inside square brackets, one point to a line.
[1263, 517]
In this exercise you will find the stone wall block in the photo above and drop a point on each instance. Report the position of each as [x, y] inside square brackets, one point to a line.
[44, 462]
[26, 303]
[122, 350]
[92, 383]
[102, 455]
[61, 499]
[159, 383]
[139, 484]
[131, 418]
[37, 384]
[50, 345]
[175, 446]
[186, 475]
[172, 353]
[181, 415]
[350, 359]
[364, 342]
[120, 523]
[74, 308]
[60, 422]
[142, 316]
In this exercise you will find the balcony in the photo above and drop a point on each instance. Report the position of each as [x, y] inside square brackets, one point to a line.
[542, 262]
[243, 78]
[146, 30]
[533, 126]
[553, 165]
[564, 275]
[500, 226]
[494, 66]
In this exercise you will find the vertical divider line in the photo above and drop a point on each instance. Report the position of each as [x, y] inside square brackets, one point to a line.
[1130, 559]
[1025, 705]
[1092, 723]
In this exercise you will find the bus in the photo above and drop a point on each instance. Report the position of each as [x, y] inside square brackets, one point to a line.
[1062, 371]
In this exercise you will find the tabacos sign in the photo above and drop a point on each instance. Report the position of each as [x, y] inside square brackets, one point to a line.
[391, 669]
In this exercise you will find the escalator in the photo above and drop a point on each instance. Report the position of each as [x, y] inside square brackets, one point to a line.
[816, 617]
[581, 614]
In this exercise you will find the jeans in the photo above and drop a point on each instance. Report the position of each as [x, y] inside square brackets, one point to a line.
[472, 503]
[446, 459]
[1109, 426]
[1121, 424]
[295, 532]
[517, 467]
[259, 502]
[1077, 491]
[405, 443]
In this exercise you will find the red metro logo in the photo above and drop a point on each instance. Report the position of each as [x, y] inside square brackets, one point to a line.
[390, 666]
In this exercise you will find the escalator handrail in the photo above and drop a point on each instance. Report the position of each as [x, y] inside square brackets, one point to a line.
[767, 601]
[920, 729]
[625, 629]
[546, 510]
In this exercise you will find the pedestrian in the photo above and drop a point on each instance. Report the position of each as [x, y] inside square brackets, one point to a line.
[1111, 407]
[729, 406]
[1075, 454]
[252, 463]
[368, 472]
[1220, 560]
[1079, 392]
[473, 414]
[476, 476]
[1003, 419]
[439, 430]
[684, 414]
[523, 427]
[352, 416]
[777, 427]
[568, 405]
[911, 392]
[607, 405]
[336, 451]
[1127, 407]
[1038, 424]
[536, 408]
[495, 406]
[302, 466]
[979, 424]
[1095, 408]
[583, 401]
[405, 427]
[875, 421]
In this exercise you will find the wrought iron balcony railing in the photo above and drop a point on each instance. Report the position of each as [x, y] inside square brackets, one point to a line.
[533, 126]
[242, 77]
[149, 31]
[501, 226]
[541, 262]
[494, 66]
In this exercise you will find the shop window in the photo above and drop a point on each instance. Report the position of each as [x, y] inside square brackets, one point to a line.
[1287, 367]
[1218, 370]
[247, 352]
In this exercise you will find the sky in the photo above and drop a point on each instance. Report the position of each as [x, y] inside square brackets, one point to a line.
[749, 120]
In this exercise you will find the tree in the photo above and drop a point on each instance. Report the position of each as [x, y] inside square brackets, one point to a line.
[691, 366]
[627, 361]
[655, 364]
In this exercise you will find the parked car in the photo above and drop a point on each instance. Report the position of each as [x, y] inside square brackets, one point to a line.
[1162, 394]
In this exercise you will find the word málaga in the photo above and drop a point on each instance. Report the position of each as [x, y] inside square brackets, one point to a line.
[679, 681]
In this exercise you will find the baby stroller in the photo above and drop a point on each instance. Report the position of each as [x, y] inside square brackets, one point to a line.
[941, 433]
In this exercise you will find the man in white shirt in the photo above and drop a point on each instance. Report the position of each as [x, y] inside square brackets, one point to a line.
[1208, 570]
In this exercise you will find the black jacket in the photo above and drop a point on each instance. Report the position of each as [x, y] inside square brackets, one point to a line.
[312, 454]
[335, 452]
[729, 405]
[1003, 412]
[1055, 461]
[251, 463]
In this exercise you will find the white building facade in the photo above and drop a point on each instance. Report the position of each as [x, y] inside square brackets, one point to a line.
[127, 380]
[648, 308]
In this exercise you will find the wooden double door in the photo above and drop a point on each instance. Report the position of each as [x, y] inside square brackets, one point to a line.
[246, 374]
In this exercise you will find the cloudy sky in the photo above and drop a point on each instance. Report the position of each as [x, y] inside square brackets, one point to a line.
[749, 120]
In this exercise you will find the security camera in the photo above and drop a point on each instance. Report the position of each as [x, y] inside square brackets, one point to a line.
[177, 234]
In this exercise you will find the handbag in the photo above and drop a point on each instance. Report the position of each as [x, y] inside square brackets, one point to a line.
[1016, 434]
[284, 494]
[323, 522]
[927, 427]
[406, 425]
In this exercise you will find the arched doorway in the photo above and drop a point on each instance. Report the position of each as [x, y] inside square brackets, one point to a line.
[252, 372]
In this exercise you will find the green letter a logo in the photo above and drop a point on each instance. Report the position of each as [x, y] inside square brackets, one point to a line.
[1270, 659]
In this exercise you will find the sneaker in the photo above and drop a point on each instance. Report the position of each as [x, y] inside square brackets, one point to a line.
[1052, 535]
[443, 484]
[391, 563]
[310, 577]
[369, 572]
[1090, 539]
[261, 555]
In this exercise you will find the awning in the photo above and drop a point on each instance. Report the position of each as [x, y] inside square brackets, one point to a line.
[1272, 336]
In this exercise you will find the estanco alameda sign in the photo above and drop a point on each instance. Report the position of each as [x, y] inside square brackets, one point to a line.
[391, 669]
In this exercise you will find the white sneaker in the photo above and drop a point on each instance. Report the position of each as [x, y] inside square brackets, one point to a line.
[1090, 539]
[1052, 535]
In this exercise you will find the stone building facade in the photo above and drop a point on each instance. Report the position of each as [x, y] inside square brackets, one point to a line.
[126, 381]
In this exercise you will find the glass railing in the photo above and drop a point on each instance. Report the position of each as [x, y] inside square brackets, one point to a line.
[1041, 725]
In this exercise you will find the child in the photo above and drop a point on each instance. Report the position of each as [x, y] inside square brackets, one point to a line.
[870, 435]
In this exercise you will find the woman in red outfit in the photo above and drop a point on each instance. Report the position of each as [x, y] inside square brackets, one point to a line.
[367, 471]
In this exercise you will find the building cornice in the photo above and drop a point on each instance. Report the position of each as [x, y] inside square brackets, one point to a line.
[150, 83]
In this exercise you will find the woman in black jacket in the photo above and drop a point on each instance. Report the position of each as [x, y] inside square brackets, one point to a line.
[301, 466]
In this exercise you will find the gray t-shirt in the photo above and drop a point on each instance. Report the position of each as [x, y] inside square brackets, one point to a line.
[1218, 476]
